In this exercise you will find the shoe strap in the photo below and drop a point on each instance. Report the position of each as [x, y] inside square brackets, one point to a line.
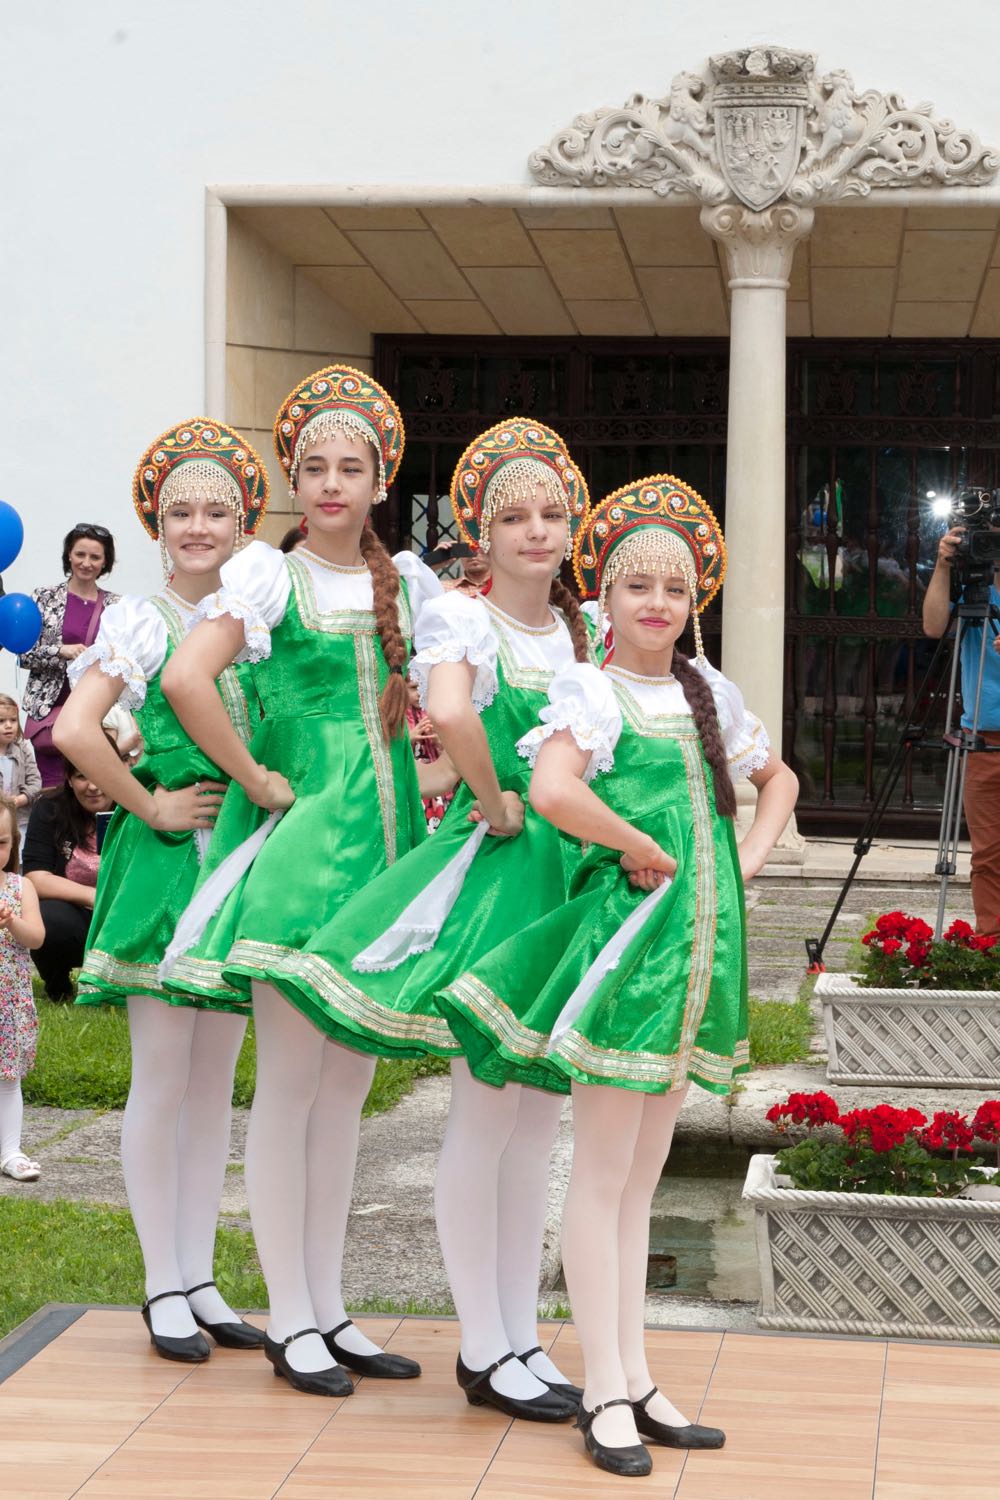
[585, 1418]
[491, 1369]
[647, 1398]
[347, 1323]
[199, 1288]
[300, 1335]
[160, 1296]
[530, 1353]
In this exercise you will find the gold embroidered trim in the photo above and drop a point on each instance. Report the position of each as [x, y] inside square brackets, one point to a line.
[381, 1020]
[703, 947]
[498, 1016]
[510, 623]
[338, 621]
[203, 976]
[617, 671]
[228, 683]
[368, 693]
[351, 569]
[104, 968]
[680, 727]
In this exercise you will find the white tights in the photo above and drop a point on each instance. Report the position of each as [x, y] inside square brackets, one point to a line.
[11, 1117]
[302, 1148]
[175, 1146]
[490, 1200]
[621, 1141]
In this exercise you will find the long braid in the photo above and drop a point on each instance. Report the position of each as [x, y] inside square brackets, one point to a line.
[385, 592]
[702, 706]
[563, 598]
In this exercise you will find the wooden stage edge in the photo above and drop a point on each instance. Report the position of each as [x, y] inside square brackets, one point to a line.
[88, 1412]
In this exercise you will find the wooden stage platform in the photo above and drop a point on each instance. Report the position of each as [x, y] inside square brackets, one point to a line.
[88, 1411]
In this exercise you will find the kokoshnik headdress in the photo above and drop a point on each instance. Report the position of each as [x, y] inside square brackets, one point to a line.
[200, 460]
[503, 466]
[657, 525]
[339, 399]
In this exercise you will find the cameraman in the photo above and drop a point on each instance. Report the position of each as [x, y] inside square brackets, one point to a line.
[982, 771]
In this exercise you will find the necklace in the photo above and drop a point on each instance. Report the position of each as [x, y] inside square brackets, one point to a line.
[517, 624]
[321, 562]
[637, 676]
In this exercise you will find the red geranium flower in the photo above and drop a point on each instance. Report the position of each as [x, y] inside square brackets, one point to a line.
[958, 931]
[948, 1131]
[986, 1121]
[891, 946]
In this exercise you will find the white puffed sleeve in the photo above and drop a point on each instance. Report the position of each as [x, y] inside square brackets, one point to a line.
[422, 584]
[582, 700]
[131, 644]
[456, 628]
[744, 736]
[255, 589]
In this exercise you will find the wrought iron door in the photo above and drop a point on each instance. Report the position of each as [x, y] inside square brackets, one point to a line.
[877, 431]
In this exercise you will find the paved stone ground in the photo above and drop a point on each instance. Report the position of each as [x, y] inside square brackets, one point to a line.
[392, 1249]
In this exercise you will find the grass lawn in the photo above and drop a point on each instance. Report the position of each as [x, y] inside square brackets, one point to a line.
[84, 1062]
[779, 1032]
[65, 1252]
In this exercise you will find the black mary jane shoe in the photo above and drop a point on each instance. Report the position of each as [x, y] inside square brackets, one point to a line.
[688, 1436]
[333, 1382]
[380, 1366]
[572, 1393]
[633, 1461]
[238, 1335]
[548, 1407]
[191, 1350]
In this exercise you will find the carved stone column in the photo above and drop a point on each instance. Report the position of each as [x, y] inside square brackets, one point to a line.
[759, 249]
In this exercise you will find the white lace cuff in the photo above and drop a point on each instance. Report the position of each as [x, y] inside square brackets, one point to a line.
[113, 663]
[590, 738]
[484, 687]
[752, 751]
[256, 633]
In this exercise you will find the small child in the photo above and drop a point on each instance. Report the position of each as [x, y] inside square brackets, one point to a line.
[20, 929]
[20, 778]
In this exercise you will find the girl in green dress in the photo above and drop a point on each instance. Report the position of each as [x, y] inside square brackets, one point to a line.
[638, 984]
[326, 628]
[368, 977]
[198, 489]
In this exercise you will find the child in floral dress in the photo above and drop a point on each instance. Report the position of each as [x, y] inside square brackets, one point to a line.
[20, 929]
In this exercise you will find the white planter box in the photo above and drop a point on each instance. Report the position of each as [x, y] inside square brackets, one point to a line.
[910, 1037]
[860, 1263]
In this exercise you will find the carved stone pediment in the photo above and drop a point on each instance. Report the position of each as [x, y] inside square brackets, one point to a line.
[759, 127]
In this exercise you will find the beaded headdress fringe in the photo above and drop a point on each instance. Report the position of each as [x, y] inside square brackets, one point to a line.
[327, 424]
[512, 484]
[652, 551]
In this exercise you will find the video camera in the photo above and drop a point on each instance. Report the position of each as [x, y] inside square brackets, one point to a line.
[978, 511]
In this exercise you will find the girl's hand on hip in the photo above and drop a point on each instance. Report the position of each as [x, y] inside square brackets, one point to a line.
[270, 790]
[508, 819]
[190, 807]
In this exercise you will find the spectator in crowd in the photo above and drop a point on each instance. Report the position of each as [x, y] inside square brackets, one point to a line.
[61, 861]
[71, 613]
[20, 929]
[982, 772]
[293, 537]
[19, 776]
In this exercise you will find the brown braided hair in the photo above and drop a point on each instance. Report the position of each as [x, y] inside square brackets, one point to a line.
[702, 705]
[385, 592]
[563, 598]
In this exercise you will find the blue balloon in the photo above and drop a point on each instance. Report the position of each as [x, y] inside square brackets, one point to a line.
[20, 621]
[11, 535]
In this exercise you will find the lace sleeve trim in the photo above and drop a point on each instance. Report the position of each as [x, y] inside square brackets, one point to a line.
[255, 629]
[484, 687]
[590, 738]
[112, 663]
[753, 756]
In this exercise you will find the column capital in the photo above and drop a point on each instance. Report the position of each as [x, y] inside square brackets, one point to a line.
[759, 246]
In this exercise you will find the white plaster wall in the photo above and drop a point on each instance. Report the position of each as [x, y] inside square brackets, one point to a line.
[115, 114]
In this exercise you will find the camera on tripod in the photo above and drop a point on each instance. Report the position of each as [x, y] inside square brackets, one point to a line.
[978, 511]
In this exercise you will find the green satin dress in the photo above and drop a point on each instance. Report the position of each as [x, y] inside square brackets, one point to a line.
[675, 1006]
[147, 877]
[511, 882]
[357, 804]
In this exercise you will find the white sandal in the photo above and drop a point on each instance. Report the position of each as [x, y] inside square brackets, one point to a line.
[20, 1167]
